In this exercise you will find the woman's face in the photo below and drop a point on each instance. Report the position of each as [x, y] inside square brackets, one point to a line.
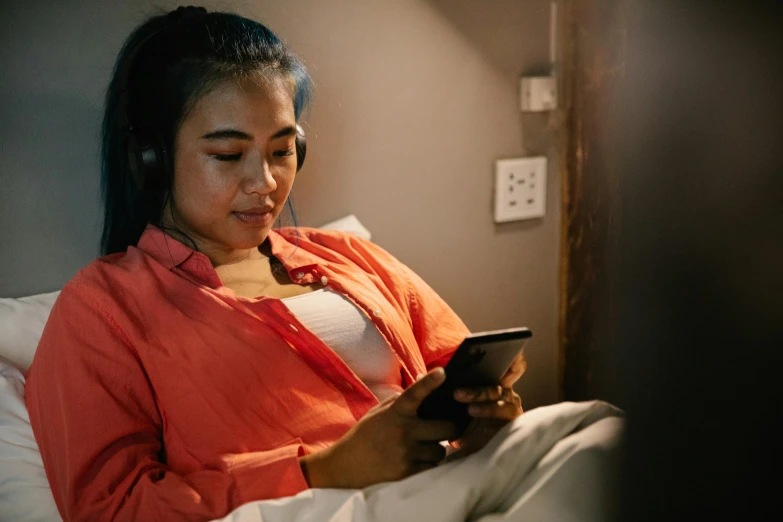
[234, 164]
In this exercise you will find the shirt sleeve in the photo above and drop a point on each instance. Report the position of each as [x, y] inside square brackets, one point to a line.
[437, 328]
[99, 430]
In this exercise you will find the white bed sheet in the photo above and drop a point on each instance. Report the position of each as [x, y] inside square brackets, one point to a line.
[554, 463]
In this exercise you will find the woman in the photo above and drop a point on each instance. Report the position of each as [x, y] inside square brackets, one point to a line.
[209, 360]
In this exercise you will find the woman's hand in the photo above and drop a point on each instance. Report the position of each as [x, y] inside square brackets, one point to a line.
[389, 443]
[491, 407]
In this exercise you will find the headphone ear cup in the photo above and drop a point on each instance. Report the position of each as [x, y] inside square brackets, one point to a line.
[164, 164]
[148, 160]
[301, 147]
[135, 161]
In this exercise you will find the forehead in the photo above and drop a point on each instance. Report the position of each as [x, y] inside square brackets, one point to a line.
[266, 104]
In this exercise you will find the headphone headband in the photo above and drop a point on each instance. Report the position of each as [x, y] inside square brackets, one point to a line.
[147, 156]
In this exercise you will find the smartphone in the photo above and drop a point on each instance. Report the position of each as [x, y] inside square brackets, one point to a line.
[481, 360]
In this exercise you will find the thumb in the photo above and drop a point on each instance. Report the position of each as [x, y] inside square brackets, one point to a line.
[384, 404]
[409, 401]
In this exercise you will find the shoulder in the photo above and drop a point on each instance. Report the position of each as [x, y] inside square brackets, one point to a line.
[99, 270]
[319, 236]
[85, 311]
[87, 288]
[108, 279]
[347, 245]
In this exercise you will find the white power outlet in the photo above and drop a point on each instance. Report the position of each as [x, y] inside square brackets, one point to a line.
[520, 188]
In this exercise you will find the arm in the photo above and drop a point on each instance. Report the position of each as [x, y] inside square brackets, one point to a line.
[438, 329]
[97, 423]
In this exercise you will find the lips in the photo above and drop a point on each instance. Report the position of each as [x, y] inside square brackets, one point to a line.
[257, 216]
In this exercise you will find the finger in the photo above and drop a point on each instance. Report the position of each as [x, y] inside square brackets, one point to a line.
[473, 425]
[478, 394]
[390, 398]
[428, 452]
[509, 395]
[408, 402]
[515, 371]
[495, 410]
[483, 431]
[518, 365]
[433, 430]
[384, 404]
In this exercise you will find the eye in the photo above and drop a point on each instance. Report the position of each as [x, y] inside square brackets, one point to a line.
[284, 153]
[227, 157]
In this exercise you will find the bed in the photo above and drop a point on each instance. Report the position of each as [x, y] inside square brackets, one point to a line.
[552, 463]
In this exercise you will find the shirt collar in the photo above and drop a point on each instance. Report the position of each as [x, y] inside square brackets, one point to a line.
[171, 253]
[284, 246]
[163, 248]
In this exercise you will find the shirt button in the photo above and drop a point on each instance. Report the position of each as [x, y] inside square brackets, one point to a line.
[299, 275]
[348, 386]
[376, 312]
[294, 328]
[324, 280]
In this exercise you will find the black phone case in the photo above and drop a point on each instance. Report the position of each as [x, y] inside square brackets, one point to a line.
[481, 360]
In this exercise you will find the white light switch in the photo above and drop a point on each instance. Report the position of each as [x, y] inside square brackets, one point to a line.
[520, 188]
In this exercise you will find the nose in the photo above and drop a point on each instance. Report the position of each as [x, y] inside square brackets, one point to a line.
[259, 178]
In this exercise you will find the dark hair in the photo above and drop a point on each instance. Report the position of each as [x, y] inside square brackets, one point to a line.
[167, 64]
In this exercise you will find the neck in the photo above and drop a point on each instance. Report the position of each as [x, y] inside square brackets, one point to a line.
[221, 257]
[218, 255]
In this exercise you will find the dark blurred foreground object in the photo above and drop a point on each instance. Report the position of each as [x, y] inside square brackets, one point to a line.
[697, 267]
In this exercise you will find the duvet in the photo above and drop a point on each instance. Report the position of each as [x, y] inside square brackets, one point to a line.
[553, 463]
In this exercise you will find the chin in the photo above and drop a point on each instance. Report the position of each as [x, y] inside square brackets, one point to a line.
[249, 238]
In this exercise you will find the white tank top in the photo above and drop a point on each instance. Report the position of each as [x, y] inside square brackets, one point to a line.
[350, 333]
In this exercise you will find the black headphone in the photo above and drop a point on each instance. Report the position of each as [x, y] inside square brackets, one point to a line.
[148, 159]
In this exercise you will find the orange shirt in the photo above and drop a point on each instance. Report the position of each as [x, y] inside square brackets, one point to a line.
[156, 393]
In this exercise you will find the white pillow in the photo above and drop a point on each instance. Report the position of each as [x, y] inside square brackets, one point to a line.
[24, 490]
[349, 223]
[21, 324]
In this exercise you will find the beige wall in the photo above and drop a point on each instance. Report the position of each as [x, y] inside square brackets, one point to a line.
[414, 101]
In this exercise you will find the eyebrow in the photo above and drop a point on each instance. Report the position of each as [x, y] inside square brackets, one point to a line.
[234, 134]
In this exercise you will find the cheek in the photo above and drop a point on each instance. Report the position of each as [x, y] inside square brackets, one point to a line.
[201, 189]
[284, 183]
